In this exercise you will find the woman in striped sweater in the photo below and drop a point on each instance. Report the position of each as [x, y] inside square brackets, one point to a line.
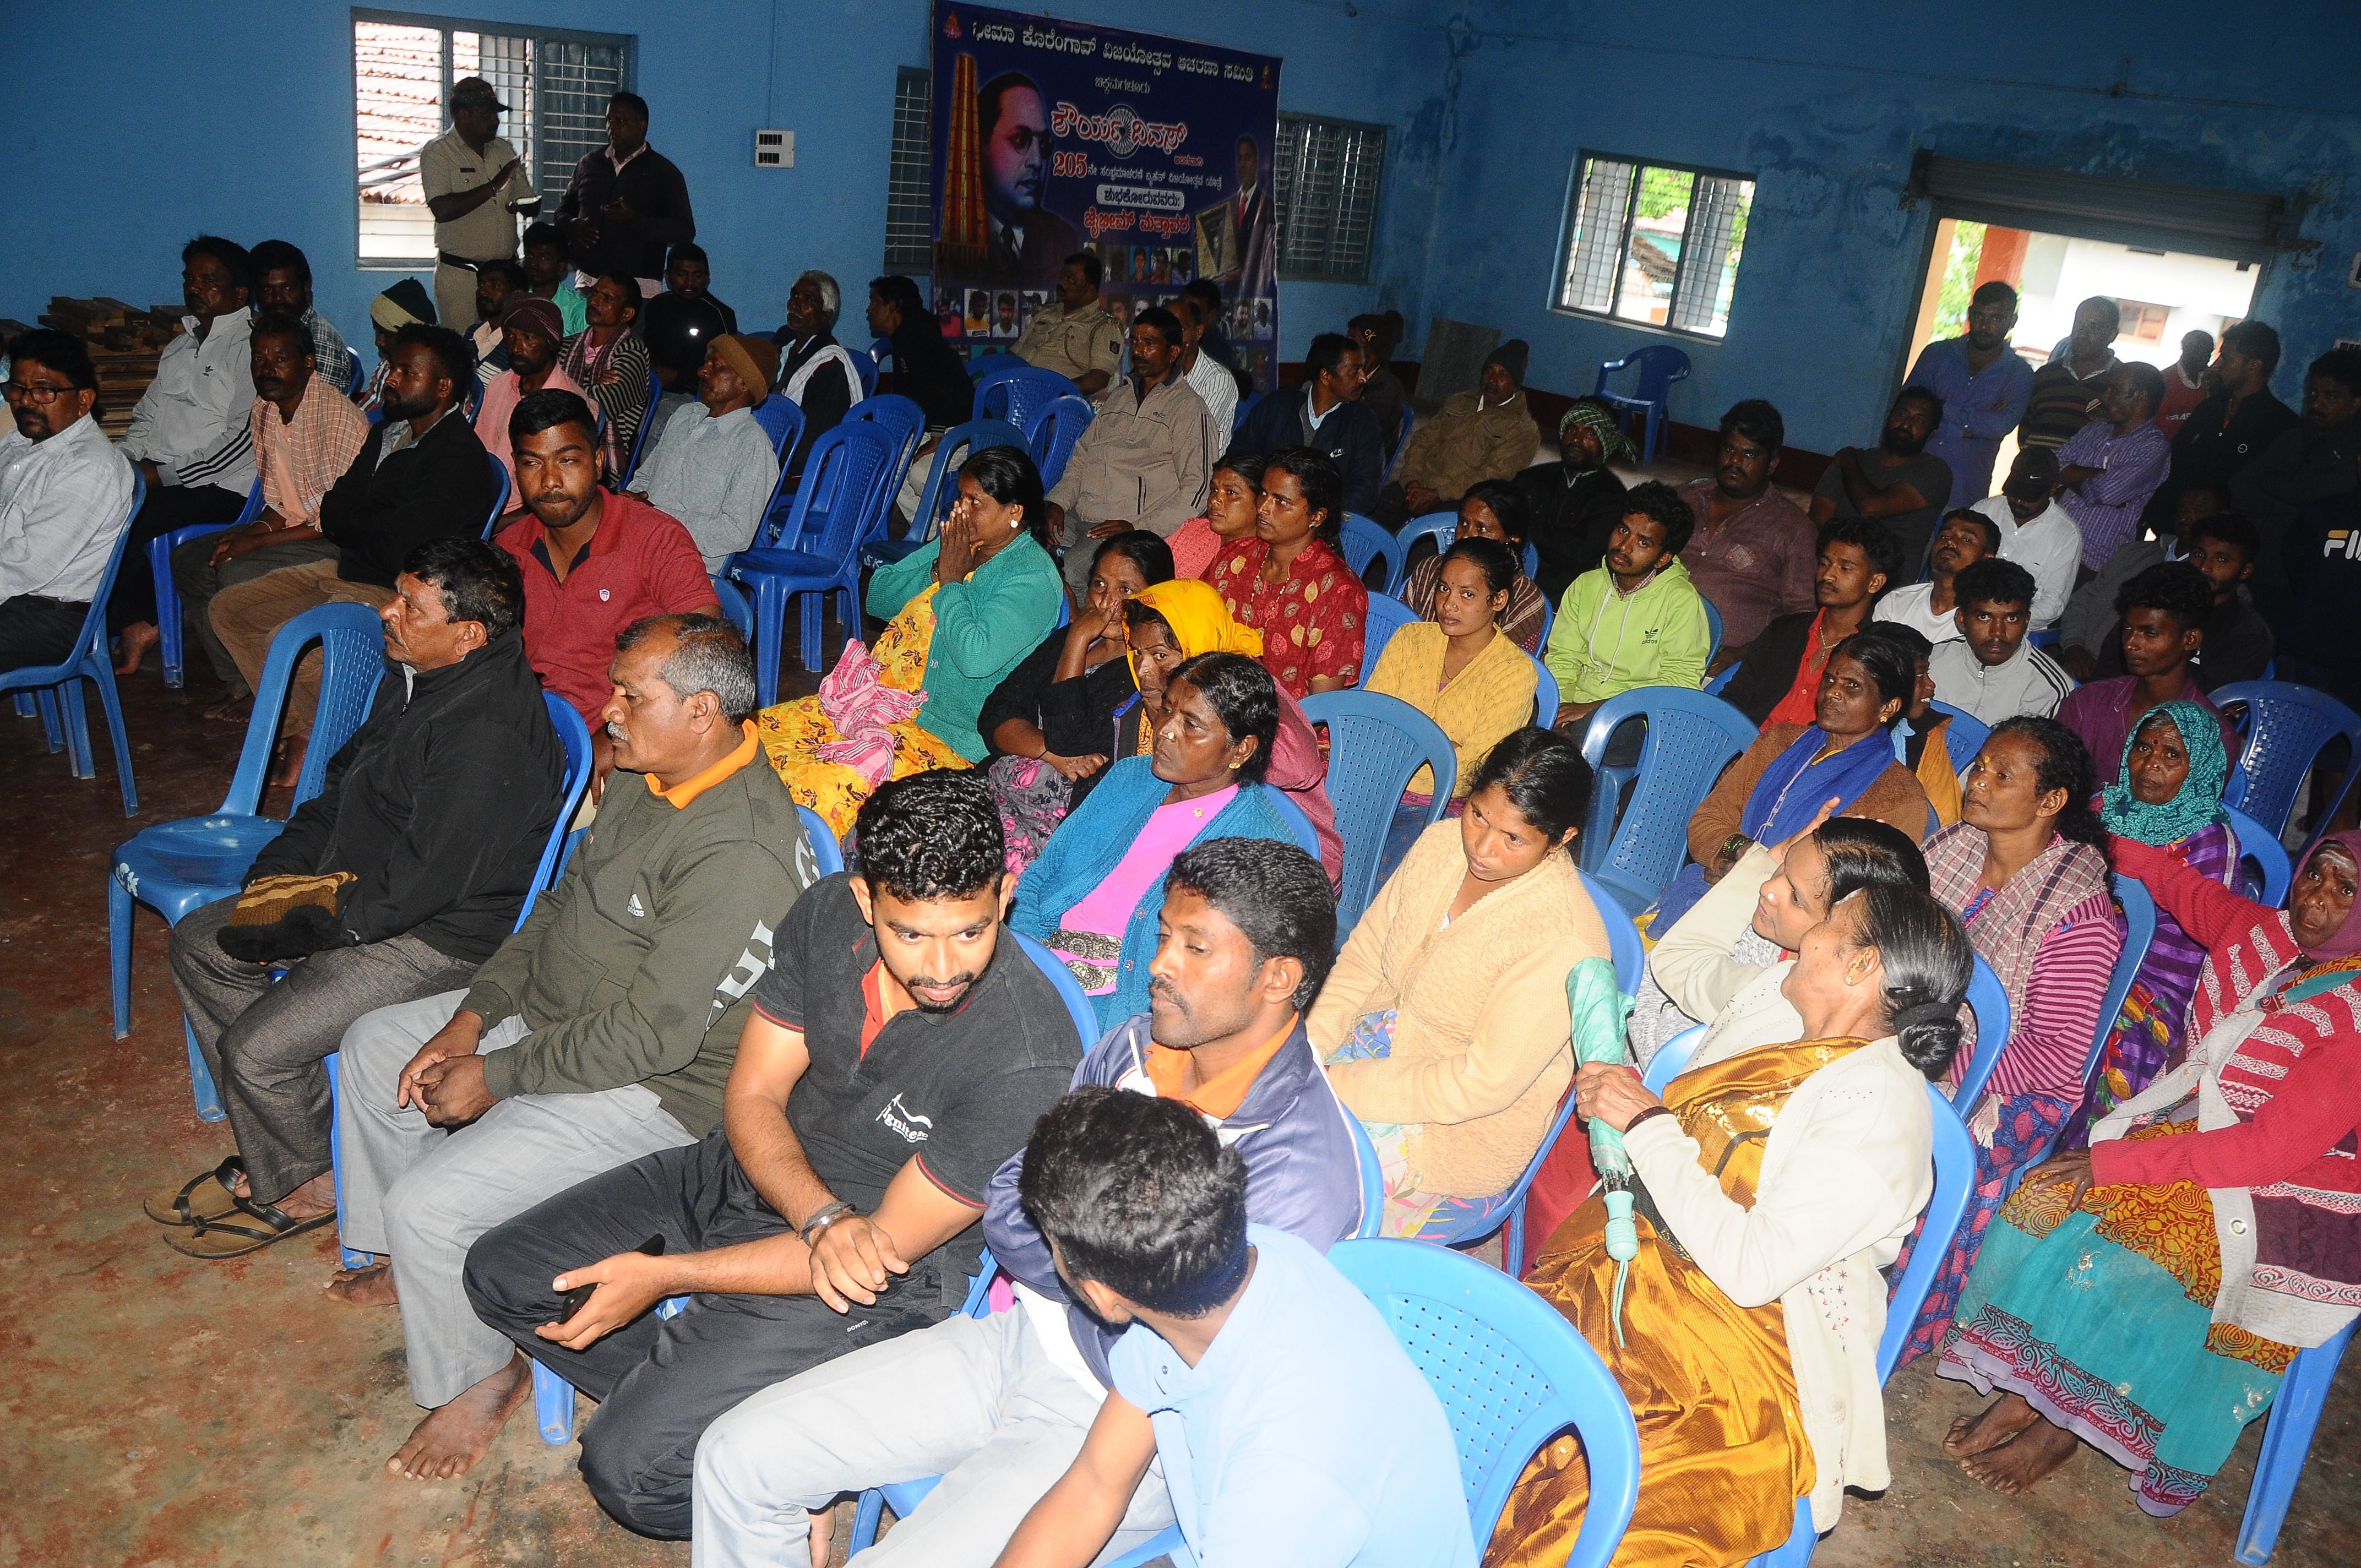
[2026, 868]
[2145, 1296]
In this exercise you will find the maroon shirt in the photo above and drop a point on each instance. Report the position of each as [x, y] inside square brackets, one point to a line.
[641, 563]
[1759, 563]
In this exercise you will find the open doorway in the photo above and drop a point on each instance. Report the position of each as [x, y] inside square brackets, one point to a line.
[2163, 295]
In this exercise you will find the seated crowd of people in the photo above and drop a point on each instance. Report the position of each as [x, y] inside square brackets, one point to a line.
[1078, 745]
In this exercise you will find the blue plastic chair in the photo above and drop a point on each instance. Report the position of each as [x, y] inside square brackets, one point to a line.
[2139, 931]
[1401, 442]
[2286, 726]
[1987, 1000]
[1013, 390]
[1720, 682]
[941, 489]
[864, 371]
[782, 421]
[175, 867]
[1545, 698]
[168, 641]
[1659, 364]
[1373, 1177]
[357, 382]
[907, 423]
[55, 688]
[1376, 743]
[1511, 1374]
[839, 497]
[1955, 1175]
[639, 436]
[1532, 564]
[1362, 542]
[500, 494]
[1628, 954]
[828, 854]
[1051, 433]
[574, 740]
[1690, 738]
[1387, 615]
[1438, 526]
[1712, 627]
[735, 607]
[1966, 737]
[2286, 1444]
[2273, 871]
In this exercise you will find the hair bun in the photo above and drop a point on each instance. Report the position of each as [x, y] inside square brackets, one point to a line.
[1918, 1014]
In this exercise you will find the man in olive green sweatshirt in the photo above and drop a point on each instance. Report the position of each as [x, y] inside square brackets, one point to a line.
[603, 1030]
[1634, 620]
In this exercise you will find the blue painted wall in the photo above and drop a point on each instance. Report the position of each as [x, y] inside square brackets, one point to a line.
[187, 118]
[1824, 104]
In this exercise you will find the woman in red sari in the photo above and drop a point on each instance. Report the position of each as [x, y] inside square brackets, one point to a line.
[1287, 579]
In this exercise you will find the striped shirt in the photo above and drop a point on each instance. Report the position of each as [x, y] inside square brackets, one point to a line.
[192, 423]
[300, 458]
[2049, 1039]
[62, 503]
[330, 356]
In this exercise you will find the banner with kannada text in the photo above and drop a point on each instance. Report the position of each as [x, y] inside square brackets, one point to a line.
[1153, 153]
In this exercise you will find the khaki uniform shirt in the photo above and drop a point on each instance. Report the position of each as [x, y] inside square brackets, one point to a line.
[1466, 443]
[1072, 342]
[447, 166]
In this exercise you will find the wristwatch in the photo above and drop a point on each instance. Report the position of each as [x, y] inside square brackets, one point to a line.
[1734, 847]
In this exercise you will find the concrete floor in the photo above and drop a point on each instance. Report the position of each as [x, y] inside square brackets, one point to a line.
[164, 1411]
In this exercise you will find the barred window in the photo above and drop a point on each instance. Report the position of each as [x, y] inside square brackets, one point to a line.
[555, 82]
[909, 182]
[1326, 183]
[1656, 243]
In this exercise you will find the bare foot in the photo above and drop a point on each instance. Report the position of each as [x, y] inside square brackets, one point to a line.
[232, 711]
[2000, 1421]
[823, 1534]
[137, 638]
[287, 763]
[370, 1287]
[451, 1439]
[2015, 1468]
[309, 1202]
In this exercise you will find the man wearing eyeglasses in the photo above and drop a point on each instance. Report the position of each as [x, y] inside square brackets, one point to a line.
[1984, 385]
[65, 496]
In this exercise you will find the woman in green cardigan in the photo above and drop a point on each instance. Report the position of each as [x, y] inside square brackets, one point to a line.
[963, 610]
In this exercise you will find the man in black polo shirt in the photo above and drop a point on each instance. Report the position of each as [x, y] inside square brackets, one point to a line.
[901, 1050]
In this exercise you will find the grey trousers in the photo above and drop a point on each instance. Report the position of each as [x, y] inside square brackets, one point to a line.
[264, 1044]
[423, 1195]
[198, 580]
[977, 1401]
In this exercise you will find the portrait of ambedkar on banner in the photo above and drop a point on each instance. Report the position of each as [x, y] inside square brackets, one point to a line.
[1029, 243]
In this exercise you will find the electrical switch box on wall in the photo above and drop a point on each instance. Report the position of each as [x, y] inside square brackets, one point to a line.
[774, 149]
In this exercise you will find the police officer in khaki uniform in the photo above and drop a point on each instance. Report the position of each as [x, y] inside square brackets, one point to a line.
[1076, 339]
[476, 186]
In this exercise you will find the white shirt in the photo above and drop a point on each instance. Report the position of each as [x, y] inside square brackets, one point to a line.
[194, 421]
[2051, 547]
[2029, 681]
[716, 474]
[1219, 391]
[1909, 607]
[63, 502]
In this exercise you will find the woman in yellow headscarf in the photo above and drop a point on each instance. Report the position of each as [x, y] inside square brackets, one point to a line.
[1163, 626]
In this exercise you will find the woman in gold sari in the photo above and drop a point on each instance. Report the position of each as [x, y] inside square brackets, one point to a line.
[1772, 1185]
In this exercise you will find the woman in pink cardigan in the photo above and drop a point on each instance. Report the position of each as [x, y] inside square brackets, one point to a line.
[2145, 1296]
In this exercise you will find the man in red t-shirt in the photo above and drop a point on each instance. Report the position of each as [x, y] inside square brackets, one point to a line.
[594, 562]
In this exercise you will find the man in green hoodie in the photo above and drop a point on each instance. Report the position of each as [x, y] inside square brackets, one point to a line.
[1634, 620]
[603, 1030]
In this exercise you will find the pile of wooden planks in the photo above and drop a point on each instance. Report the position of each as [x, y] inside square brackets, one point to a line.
[125, 342]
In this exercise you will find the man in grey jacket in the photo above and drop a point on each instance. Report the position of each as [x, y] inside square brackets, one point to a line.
[1000, 1404]
[602, 1031]
[1144, 462]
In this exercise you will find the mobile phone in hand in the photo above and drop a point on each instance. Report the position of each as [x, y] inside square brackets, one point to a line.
[575, 1300]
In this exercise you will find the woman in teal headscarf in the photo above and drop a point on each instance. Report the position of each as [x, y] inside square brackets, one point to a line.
[2168, 794]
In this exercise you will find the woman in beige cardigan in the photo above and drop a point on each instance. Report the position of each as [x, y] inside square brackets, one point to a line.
[1749, 1349]
[1445, 1021]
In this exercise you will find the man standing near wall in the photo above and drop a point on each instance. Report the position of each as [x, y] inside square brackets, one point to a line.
[627, 203]
[1984, 385]
[476, 186]
[2068, 390]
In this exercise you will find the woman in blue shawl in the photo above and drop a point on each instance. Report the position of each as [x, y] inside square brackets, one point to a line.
[1792, 770]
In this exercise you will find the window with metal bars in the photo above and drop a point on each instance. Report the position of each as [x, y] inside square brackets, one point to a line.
[1327, 182]
[910, 179]
[1654, 243]
[555, 82]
